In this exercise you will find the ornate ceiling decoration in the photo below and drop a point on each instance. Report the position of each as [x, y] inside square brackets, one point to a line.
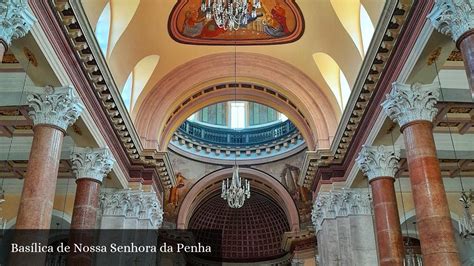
[277, 22]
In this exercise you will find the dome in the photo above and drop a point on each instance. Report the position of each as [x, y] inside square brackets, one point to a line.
[251, 233]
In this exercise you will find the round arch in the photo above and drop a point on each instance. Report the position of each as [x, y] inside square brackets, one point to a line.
[211, 182]
[225, 92]
[189, 79]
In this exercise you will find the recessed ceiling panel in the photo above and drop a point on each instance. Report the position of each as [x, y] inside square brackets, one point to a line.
[277, 22]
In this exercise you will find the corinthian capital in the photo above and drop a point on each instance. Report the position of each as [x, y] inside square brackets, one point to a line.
[132, 204]
[15, 20]
[377, 161]
[59, 107]
[91, 163]
[453, 17]
[407, 103]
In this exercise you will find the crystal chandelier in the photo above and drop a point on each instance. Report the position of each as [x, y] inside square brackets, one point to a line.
[237, 191]
[466, 225]
[230, 14]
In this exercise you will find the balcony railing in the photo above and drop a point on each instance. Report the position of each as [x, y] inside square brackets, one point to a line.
[240, 137]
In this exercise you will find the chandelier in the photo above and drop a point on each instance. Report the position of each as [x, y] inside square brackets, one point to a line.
[466, 225]
[230, 14]
[237, 191]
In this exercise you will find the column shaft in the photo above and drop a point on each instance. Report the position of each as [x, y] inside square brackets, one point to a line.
[387, 222]
[3, 49]
[36, 205]
[466, 45]
[86, 204]
[438, 245]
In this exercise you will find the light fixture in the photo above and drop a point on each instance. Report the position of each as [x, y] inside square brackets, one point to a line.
[237, 191]
[230, 14]
[466, 225]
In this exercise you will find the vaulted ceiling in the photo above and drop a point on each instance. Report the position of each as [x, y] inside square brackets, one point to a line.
[139, 29]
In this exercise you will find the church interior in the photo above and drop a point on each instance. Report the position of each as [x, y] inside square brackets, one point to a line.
[308, 132]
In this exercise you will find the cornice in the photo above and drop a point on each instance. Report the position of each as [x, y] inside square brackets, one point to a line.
[77, 49]
[381, 50]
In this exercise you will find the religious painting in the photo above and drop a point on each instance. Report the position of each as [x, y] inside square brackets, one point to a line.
[175, 195]
[274, 22]
[300, 194]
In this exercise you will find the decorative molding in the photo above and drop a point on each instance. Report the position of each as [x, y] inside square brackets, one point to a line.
[58, 106]
[16, 20]
[407, 103]
[9, 59]
[455, 56]
[453, 17]
[364, 93]
[91, 163]
[340, 203]
[160, 160]
[132, 204]
[63, 31]
[434, 55]
[378, 161]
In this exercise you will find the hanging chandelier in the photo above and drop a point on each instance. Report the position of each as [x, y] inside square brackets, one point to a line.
[466, 225]
[230, 14]
[237, 191]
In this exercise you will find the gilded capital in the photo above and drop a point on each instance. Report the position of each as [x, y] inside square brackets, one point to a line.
[378, 161]
[407, 103]
[453, 17]
[15, 20]
[59, 107]
[91, 163]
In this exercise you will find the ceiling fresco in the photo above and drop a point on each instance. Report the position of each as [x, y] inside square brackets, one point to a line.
[277, 22]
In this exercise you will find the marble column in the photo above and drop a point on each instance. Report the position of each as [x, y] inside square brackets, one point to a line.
[138, 213]
[90, 167]
[413, 107]
[380, 165]
[344, 228]
[15, 21]
[52, 111]
[456, 19]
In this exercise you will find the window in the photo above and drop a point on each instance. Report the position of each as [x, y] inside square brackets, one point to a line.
[137, 79]
[366, 28]
[334, 77]
[127, 92]
[102, 29]
[237, 114]
[345, 91]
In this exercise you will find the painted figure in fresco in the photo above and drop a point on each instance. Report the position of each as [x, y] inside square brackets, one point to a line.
[174, 191]
[193, 24]
[275, 21]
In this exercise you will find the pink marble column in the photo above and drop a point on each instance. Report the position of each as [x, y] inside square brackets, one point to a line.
[454, 18]
[413, 107]
[380, 164]
[466, 46]
[90, 167]
[53, 110]
[36, 204]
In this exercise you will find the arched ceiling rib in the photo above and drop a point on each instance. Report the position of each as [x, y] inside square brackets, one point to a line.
[147, 33]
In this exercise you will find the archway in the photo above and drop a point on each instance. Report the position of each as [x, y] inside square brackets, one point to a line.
[265, 184]
[188, 80]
